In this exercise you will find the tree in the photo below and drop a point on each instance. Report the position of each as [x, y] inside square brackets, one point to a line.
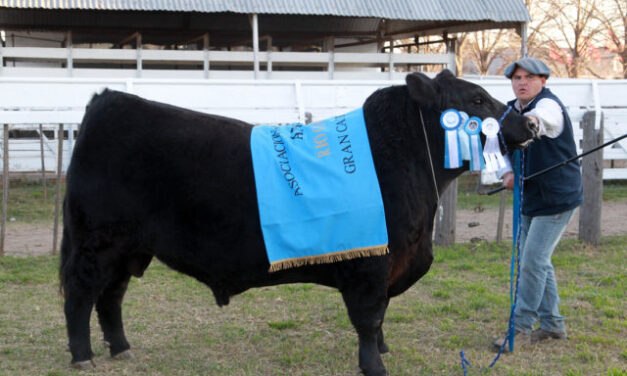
[613, 18]
[541, 13]
[493, 50]
[460, 41]
[571, 38]
[486, 46]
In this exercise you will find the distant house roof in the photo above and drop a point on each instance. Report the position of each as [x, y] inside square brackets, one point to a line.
[433, 10]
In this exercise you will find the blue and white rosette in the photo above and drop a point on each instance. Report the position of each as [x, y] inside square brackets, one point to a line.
[492, 152]
[472, 128]
[464, 141]
[450, 120]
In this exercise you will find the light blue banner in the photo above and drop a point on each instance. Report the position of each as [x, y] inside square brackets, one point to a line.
[318, 192]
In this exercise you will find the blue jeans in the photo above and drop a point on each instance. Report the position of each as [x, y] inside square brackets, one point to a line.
[538, 298]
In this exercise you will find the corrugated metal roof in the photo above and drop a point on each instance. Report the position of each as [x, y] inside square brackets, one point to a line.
[415, 10]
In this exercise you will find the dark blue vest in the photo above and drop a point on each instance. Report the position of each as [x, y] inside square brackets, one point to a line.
[560, 189]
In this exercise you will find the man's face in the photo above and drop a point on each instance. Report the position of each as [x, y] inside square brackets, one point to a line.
[526, 85]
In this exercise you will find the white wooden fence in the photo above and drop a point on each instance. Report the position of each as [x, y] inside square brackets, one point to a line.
[27, 103]
[137, 63]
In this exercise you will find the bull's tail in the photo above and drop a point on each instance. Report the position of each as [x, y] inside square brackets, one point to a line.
[95, 102]
[66, 250]
[72, 220]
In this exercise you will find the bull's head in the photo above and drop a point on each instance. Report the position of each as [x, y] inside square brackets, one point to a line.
[447, 91]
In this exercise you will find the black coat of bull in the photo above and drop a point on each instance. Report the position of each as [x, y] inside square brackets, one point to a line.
[152, 180]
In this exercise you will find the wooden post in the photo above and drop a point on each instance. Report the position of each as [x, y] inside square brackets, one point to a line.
[205, 48]
[501, 220]
[43, 162]
[70, 57]
[592, 171]
[1, 58]
[57, 200]
[269, 54]
[5, 185]
[445, 217]
[451, 50]
[138, 49]
[523, 39]
[330, 49]
[331, 64]
[255, 26]
[391, 60]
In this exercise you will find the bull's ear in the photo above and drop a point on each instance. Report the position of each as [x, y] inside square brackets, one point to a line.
[422, 89]
[445, 74]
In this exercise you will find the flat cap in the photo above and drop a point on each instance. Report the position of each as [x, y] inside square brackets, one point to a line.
[531, 65]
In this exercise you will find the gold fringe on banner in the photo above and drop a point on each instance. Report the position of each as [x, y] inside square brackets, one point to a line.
[327, 258]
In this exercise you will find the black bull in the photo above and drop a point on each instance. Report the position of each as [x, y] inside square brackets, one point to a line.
[151, 180]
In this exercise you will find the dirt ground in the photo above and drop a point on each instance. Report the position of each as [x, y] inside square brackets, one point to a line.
[36, 239]
[483, 224]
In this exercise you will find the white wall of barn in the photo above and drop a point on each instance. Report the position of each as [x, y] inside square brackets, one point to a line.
[25, 103]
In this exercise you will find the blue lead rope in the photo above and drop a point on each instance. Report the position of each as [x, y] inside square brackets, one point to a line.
[514, 272]
[465, 362]
[518, 190]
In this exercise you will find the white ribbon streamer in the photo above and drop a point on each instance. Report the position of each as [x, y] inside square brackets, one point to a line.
[492, 152]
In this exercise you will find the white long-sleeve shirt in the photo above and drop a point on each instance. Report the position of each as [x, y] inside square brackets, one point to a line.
[550, 117]
[550, 123]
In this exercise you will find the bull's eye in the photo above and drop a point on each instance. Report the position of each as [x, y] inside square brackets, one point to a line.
[478, 101]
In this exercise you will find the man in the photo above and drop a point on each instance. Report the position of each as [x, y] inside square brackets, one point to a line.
[548, 200]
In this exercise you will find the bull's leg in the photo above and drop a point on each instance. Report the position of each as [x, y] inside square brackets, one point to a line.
[109, 304]
[79, 302]
[366, 310]
[383, 347]
[109, 308]
[76, 274]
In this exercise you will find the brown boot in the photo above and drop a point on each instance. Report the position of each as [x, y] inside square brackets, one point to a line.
[519, 337]
[539, 335]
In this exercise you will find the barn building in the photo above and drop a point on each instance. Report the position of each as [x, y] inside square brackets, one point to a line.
[284, 39]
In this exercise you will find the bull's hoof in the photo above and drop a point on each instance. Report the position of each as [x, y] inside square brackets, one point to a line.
[84, 365]
[124, 355]
[383, 349]
[375, 373]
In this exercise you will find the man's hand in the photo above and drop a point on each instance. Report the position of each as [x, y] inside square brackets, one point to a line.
[508, 180]
[534, 119]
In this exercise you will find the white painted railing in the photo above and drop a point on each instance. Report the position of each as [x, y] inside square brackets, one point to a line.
[25, 103]
[136, 63]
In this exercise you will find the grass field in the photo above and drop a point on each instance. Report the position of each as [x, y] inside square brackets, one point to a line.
[175, 327]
